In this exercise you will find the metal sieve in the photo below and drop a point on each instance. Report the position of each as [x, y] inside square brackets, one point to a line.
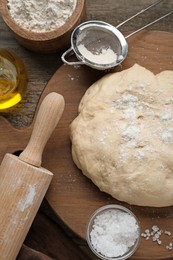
[100, 45]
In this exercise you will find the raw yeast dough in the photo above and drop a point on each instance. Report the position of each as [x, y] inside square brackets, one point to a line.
[122, 138]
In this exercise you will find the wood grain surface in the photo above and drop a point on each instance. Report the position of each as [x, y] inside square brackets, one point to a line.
[40, 70]
[71, 195]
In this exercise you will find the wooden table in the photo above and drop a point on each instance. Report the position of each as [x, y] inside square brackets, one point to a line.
[41, 68]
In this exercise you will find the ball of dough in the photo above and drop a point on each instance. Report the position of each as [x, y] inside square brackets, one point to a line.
[122, 138]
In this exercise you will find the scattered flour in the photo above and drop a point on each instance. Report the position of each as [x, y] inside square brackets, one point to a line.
[41, 15]
[135, 111]
[167, 135]
[28, 200]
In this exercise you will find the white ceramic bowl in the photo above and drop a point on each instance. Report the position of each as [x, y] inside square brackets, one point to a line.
[114, 208]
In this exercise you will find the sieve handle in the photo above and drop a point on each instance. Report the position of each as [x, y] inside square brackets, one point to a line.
[68, 54]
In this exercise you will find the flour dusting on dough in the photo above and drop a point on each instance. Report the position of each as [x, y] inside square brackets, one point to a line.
[122, 138]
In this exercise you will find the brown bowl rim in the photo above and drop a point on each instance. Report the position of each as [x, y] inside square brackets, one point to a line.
[42, 36]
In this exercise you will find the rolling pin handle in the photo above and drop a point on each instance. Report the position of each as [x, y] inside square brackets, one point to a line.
[49, 114]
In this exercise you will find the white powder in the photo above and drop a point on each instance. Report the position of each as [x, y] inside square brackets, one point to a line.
[104, 134]
[130, 113]
[167, 135]
[139, 154]
[104, 56]
[166, 117]
[41, 15]
[28, 200]
[131, 132]
[126, 101]
[114, 233]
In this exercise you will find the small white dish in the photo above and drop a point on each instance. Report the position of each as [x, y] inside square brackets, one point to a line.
[118, 218]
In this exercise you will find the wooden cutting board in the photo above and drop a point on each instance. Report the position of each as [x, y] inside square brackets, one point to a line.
[72, 196]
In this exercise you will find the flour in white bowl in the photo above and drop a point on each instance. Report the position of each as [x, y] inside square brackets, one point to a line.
[41, 15]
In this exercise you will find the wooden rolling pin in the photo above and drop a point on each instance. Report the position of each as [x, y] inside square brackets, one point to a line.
[23, 183]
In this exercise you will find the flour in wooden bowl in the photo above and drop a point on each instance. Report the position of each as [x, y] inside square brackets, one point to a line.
[43, 26]
[41, 15]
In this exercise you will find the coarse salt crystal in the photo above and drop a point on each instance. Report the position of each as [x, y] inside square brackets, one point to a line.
[143, 235]
[156, 233]
[159, 242]
[114, 233]
[167, 233]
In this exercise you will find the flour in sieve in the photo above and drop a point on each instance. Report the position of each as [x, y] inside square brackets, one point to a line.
[41, 15]
[103, 56]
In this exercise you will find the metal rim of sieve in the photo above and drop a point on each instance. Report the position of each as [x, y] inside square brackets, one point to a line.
[117, 37]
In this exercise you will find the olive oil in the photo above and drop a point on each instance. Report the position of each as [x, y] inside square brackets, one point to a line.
[13, 79]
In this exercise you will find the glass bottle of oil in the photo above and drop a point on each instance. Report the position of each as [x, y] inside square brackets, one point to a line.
[13, 79]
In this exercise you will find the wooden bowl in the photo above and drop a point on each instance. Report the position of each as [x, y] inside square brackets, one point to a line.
[44, 42]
